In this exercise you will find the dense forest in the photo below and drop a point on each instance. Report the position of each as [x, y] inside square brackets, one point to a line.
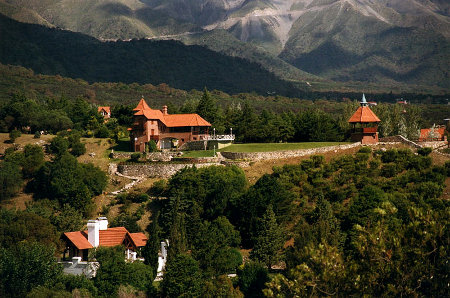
[372, 223]
[58, 52]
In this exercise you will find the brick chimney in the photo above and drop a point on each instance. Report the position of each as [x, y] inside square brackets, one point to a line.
[93, 232]
[164, 110]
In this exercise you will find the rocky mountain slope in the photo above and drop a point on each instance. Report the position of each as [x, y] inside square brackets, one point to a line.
[346, 40]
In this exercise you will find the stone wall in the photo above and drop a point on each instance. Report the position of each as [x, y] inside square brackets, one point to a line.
[156, 170]
[286, 153]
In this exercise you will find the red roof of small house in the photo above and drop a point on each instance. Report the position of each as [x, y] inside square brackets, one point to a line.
[108, 237]
[364, 115]
[174, 120]
[106, 109]
[138, 239]
[425, 133]
[78, 239]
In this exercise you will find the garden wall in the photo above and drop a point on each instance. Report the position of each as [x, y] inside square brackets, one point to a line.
[156, 170]
[286, 153]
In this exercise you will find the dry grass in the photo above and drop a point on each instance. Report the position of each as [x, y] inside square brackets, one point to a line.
[22, 141]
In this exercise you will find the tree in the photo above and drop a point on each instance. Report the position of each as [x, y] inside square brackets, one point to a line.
[269, 240]
[10, 180]
[25, 266]
[323, 274]
[112, 271]
[153, 245]
[33, 159]
[59, 145]
[214, 247]
[182, 277]
[252, 279]
[207, 107]
[14, 134]
[78, 149]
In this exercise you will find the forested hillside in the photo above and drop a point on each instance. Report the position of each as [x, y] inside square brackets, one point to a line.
[58, 52]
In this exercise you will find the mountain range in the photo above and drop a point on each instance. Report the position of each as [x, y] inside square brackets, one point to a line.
[381, 41]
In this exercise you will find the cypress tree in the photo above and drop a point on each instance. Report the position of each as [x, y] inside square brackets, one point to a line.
[269, 240]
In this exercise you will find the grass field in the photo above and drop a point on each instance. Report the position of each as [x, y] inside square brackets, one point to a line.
[261, 147]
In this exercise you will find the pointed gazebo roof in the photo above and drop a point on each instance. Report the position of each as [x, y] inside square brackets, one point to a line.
[364, 114]
[142, 105]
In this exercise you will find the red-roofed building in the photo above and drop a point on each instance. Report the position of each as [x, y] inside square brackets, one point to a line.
[436, 133]
[365, 124]
[105, 112]
[98, 234]
[168, 131]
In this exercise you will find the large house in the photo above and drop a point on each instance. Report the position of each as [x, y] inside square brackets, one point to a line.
[168, 131]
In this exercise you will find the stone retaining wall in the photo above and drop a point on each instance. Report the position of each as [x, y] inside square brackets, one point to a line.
[285, 153]
[156, 170]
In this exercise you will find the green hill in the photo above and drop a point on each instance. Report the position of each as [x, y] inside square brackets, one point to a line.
[54, 51]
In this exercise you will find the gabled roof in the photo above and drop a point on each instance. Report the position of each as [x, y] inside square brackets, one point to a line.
[138, 239]
[106, 109]
[364, 115]
[78, 239]
[174, 120]
[109, 237]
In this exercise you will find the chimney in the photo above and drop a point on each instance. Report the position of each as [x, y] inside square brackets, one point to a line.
[93, 232]
[164, 110]
[103, 222]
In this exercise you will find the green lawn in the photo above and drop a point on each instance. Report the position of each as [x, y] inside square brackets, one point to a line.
[262, 147]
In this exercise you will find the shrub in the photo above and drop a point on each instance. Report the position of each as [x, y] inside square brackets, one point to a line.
[102, 132]
[78, 149]
[152, 146]
[37, 135]
[365, 149]
[135, 156]
[424, 151]
[160, 186]
[14, 134]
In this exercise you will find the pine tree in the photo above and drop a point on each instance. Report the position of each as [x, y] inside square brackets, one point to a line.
[269, 240]
[207, 107]
[177, 240]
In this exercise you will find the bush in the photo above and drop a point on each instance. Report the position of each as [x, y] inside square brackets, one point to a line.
[365, 149]
[37, 135]
[152, 146]
[102, 132]
[14, 134]
[424, 151]
[78, 149]
[158, 188]
[135, 156]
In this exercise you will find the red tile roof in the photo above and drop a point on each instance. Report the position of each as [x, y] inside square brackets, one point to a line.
[177, 120]
[364, 115]
[108, 237]
[138, 239]
[106, 109]
[142, 105]
[174, 120]
[425, 133]
[78, 239]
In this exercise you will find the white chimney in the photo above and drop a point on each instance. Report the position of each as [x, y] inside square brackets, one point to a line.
[103, 223]
[93, 232]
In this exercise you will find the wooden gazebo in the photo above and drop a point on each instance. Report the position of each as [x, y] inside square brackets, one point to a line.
[364, 124]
